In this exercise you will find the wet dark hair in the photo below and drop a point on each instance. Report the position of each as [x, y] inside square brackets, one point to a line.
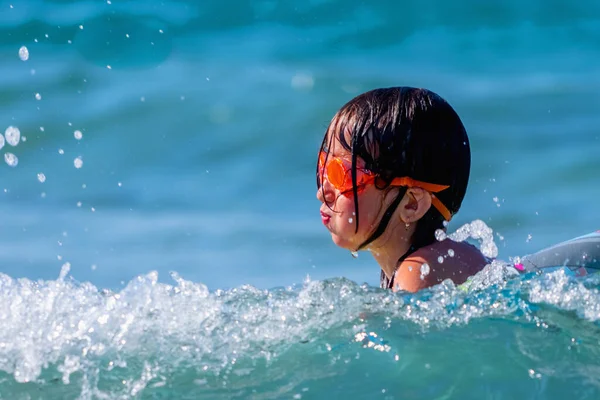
[405, 131]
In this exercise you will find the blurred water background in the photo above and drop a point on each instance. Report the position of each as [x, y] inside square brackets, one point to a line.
[182, 136]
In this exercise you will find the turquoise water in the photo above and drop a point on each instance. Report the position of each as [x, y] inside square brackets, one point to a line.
[200, 123]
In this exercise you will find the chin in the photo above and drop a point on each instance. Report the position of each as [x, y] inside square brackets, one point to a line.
[343, 243]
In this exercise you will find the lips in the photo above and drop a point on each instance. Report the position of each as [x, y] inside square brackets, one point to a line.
[325, 218]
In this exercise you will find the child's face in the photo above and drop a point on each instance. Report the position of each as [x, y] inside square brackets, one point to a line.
[338, 210]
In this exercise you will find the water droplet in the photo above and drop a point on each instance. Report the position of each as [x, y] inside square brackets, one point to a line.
[410, 268]
[445, 223]
[1, 141]
[119, 184]
[529, 237]
[350, 220]
[533, 374]
[41, 177]
[78, 162]
[451, 252]
[80, 26]
[478, 230]
[78, 204]
[354, 254]
[61, 151]
[440, 259]
[64, 270]
[94, 266]
[78, 135]
[440, 235]
[38, 96]
[11, 159]
[425, 270]
[12, 135]
[24, 53]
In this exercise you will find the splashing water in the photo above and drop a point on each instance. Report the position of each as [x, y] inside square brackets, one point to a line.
[12, 135]
[11, 159]
[24, 53]
[425, 270]
[440, 235]
[479, 231]
[70, 339]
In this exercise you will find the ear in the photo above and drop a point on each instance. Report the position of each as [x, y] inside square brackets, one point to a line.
[415, 203]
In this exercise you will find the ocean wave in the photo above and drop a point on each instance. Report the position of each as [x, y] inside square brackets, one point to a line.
[153, 338]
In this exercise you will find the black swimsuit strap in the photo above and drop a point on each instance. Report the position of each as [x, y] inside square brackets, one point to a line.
[388, 283]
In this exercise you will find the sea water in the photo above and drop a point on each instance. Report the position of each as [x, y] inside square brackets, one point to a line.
[534, 337]
[160, 236]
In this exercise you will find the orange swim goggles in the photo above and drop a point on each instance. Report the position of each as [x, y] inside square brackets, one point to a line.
[338, 173]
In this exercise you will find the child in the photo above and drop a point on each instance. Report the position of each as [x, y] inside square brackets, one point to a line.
[392, 170]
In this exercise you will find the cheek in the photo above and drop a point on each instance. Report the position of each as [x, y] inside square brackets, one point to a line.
[345, 212]
[368, 208]
[344, 224]
[346, 217]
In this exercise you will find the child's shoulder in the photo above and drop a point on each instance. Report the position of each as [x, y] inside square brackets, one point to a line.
[437, 262]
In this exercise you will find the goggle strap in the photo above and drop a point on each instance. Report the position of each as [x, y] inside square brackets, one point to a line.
[431, 188]
[441, 207]
[409, 182]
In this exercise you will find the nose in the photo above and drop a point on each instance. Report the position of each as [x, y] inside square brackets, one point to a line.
[326, 193]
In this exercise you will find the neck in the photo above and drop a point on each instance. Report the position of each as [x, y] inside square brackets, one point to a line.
[389, 249]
